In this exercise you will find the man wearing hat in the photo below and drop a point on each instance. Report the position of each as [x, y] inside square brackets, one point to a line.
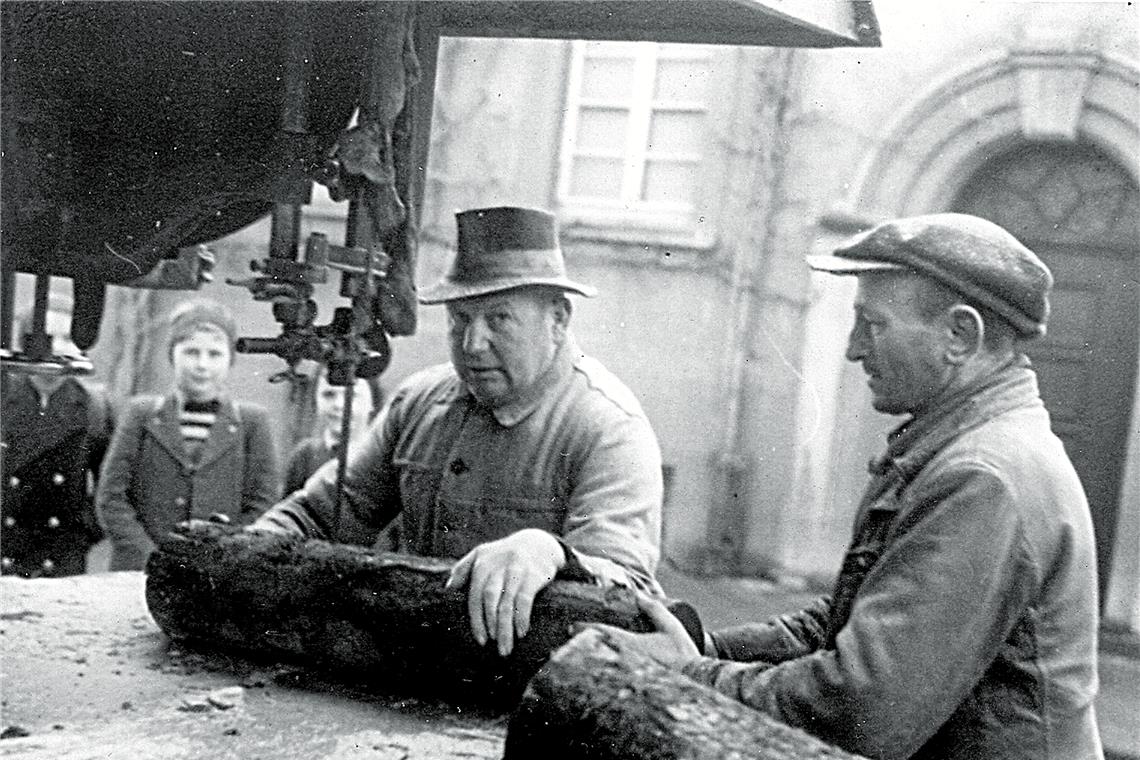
[523, 458]
[963, 622]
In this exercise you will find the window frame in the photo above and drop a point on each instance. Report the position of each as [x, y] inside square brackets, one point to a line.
[629, 210]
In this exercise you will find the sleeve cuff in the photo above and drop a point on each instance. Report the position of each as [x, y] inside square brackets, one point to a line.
[703, 670]
[573, 570]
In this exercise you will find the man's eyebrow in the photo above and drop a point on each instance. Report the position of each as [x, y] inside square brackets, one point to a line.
[495, 303]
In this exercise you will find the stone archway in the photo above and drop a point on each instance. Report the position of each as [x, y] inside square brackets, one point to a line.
[984, 109]
[1080, 212]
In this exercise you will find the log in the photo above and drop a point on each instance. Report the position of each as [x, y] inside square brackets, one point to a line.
[380, 620]
[597, 700]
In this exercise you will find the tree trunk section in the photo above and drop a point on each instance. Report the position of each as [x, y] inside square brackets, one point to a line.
[380, 620]
[594, 700]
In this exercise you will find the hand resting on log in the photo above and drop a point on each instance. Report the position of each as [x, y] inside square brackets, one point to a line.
[387, 620]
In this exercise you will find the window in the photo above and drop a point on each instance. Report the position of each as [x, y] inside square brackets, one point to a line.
[636, 121]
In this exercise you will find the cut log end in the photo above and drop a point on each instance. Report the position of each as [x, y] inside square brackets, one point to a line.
[605, 702]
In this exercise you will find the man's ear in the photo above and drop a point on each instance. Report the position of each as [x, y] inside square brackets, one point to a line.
[967, 332]
[561, 311]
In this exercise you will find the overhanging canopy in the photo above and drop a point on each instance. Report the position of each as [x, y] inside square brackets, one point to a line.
[131, 129]
[775, 23]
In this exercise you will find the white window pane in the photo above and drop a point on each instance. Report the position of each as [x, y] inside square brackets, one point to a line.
[669, 182]
[601, 129]
[682, 81]
[607, 79]
[596, 177]
[676, 132]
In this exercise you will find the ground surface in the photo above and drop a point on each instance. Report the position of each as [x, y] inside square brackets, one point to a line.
[87, 674]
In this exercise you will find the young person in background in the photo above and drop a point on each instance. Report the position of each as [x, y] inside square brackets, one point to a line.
[193, 453]
[311, 452]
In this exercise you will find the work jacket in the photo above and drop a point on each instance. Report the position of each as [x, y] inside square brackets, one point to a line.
[150, 482]
[964, 619]
[577, 459]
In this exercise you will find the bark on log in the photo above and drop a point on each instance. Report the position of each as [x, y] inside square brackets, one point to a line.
[382, 620]
[594, 700]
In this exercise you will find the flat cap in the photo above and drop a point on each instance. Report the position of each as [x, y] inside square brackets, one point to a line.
[972, 256]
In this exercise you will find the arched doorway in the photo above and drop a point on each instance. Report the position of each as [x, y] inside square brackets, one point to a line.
[1079, 211]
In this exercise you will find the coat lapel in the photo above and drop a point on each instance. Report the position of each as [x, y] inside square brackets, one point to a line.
[162, 425]
[224, 435]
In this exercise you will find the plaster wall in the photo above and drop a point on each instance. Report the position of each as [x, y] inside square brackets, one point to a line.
[660, 319]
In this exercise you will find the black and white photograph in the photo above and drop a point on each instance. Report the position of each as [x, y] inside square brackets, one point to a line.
[600, 379]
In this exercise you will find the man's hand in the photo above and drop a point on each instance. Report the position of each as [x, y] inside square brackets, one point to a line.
[201, 264]
[186, 526]
[192, 268]
[502, 579]
[670, 644]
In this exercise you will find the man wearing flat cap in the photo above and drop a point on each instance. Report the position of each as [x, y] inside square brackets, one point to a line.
[963, 622]
[522, 457]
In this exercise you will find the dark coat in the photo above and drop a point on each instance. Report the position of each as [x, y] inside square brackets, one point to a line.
[307, 456]
[52, 454]
[963, 623]
[150, 483]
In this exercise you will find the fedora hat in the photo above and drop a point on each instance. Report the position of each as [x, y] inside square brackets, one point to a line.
[500, 249]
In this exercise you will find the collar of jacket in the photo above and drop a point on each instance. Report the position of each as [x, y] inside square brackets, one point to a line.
[164, 426]
[68, 388]
[26, 435]
[914, 443]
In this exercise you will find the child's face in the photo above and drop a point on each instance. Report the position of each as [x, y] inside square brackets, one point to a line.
[330, 406]
[201, 364]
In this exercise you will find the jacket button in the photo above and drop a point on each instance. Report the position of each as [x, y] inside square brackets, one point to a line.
[13, 481]
[47, 565]
[9, 521]
[6, 563]
[180, 501]
[53, 522]
[57, 478]
[233, 428]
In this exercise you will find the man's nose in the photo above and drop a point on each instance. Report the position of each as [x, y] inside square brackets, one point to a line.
[475, 337]
[855, 348]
